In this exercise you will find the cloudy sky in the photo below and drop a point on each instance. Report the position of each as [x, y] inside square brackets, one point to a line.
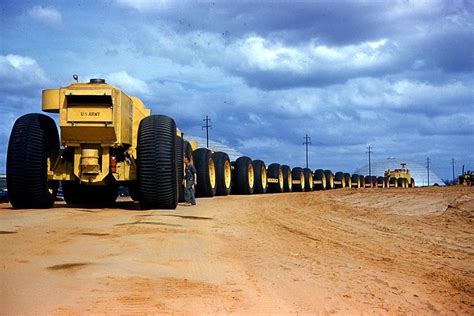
[398, 75]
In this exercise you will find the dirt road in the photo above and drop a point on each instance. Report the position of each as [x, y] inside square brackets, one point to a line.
[343, 252]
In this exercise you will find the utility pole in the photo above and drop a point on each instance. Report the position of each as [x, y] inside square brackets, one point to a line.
[452, 162]
[207, 120]
[370, 162]
[428, 160]
[307, 141]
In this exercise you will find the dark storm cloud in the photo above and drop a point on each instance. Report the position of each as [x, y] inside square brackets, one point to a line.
[453, 52]
[291, 21]
[334, 22]
[315, 44]
[282, 79]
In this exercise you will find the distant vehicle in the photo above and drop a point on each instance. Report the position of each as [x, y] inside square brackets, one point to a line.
[400, 177]
[467, 178]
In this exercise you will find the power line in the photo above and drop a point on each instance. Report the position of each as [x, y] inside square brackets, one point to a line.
[452, 162]
[207, 120]
[370, 162]
[428, 160]
[307, 141]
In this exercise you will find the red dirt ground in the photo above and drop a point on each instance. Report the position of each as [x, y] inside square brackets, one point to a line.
[376, 251]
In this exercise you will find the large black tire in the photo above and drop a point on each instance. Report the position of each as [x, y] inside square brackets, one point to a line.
[133, 191]
[374, 181]
[355, 181]
[380, 182]
[298, 180]
[244, 178]
[287, 178]
[362, 181]
[157, 167]
[111, 192]
[206, 172]
[387, 181]
[319, 179]
[368, 181]
[329, 179]
[348, 180]
[33, 139]
[412, 183]
[180, 158]
[402, 183]
[393, 182]
[308, 179]
[107, 193]
[339, 180]
[81, 194]
[223, 173]
[73, 194]
[260, 176]
[275, 178]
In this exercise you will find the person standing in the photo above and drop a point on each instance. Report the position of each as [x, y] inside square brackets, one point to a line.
[190, 180]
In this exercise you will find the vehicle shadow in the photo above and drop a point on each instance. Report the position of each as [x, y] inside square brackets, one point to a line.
[118, 205]
[127, 205]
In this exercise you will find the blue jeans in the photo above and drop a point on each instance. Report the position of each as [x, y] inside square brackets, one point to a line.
[189, 193]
